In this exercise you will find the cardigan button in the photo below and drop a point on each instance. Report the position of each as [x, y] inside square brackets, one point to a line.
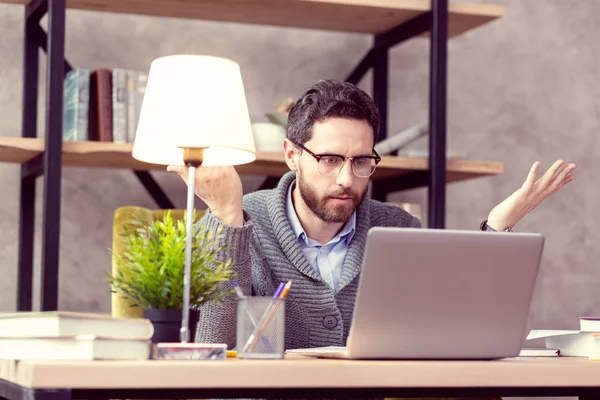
[330, 322]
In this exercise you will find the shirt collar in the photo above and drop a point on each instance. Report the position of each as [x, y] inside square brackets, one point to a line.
[346, 233]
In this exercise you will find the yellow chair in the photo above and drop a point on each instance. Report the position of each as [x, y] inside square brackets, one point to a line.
[121, 307]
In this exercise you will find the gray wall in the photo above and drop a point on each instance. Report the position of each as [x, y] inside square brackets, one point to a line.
[522, 88]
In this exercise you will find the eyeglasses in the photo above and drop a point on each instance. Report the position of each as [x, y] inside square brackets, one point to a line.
[331, 164]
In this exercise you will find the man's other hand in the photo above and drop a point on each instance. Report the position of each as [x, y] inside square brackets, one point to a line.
[531, 194]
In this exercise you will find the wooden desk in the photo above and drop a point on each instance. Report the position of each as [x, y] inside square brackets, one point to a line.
[298, 377]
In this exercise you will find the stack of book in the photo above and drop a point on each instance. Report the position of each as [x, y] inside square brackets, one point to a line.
[73, 336]
[103, 104]
[584, 342]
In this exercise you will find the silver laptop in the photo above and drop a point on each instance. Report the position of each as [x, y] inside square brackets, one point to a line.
[441, 294]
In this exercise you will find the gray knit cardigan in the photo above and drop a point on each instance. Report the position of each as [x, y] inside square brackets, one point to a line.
[264, 252]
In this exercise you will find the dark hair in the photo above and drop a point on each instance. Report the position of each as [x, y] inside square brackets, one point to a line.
[330, 99]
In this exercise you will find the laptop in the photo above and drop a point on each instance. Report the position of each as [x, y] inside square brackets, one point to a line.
[441, 294]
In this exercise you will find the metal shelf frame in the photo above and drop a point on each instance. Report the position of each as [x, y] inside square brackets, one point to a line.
[49, 164]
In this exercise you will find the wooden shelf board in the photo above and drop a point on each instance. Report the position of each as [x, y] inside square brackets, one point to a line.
[359, 16]
[116, 155]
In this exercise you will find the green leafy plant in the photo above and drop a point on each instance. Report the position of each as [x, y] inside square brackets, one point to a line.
[151, 267]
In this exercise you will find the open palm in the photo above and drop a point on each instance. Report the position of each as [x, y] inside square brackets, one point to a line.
[530, 194]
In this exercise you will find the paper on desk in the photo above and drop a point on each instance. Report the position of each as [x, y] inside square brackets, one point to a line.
[543, 333]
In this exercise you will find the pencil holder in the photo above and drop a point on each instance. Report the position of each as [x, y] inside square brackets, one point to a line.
[260, 327]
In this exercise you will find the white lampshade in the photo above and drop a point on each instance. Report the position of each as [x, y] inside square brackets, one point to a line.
[197, 102]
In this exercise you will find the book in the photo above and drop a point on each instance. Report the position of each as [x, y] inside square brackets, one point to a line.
[76, 104]
[402, 139]
[119, 105]
[102, 104]
[584, 342]
[60, 324]
[74, 348]
[136, 88]
[571, 343]
[424, 153]
[100, 121]
[589, 324]
[541, 352]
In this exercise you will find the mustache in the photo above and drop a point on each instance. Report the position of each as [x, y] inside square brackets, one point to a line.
[344, 193]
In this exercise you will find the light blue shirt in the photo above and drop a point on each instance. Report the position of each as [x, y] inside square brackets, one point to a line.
[327, 259]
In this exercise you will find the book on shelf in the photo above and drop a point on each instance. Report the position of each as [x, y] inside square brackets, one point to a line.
[402, 139]
[398, 143]
[424, 153]
[102, 104]
[76, 104]
[100, 121]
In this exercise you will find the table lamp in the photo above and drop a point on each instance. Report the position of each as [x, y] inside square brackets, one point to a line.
[194, 112]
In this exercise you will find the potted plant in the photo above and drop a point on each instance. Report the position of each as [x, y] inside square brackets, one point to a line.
[150, 272]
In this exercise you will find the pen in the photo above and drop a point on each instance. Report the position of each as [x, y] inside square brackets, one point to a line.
[238, 290]
[279, 290]
[252, 340]
[241, 295]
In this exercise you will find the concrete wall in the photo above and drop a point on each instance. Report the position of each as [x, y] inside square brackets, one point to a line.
[521, 89]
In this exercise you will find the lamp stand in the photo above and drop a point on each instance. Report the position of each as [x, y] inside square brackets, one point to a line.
[184, 332]
[184, 350]
[192, 157]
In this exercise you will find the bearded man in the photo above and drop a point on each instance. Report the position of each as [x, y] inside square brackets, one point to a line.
[312, 228]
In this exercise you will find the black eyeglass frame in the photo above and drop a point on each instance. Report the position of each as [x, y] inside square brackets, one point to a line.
[318, 157]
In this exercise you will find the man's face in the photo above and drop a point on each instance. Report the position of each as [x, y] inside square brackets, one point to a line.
[334, 198]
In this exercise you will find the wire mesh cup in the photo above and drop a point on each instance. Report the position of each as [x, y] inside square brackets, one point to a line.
[260, 327]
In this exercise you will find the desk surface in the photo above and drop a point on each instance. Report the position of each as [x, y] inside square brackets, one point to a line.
[300, 372]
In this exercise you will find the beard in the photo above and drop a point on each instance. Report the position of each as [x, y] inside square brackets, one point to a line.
[329, 213]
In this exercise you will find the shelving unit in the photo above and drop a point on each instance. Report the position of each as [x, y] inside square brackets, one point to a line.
[357, 16]
[390, 22]
[270, 164]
